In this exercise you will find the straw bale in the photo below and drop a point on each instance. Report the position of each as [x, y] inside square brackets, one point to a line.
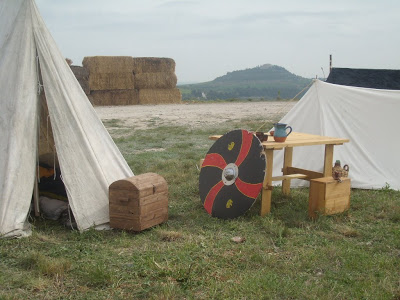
[153, 65]
[159, 80]
[111, 81]
[82, 75]
[46, 148]
[85, 86]
[80, 72]
[108, 64]
[114, 97]
[159, 96]
[46, 139]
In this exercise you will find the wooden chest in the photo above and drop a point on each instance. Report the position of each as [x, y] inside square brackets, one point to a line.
[328, 196]
[138, 202]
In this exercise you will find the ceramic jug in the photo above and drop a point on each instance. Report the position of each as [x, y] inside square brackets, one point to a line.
[338, 171]
[281, 130]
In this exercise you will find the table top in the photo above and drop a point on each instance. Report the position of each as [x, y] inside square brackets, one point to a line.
[296, 139]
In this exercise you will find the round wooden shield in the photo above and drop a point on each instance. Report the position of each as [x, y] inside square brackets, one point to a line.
[231, 175]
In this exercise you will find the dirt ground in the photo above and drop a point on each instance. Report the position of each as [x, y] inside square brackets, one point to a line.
[193, 115]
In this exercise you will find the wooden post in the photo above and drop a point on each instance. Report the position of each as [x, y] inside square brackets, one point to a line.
[267, 184]
[287, 162]
[328, 160]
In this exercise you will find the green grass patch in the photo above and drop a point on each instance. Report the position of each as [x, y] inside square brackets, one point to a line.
[285, 255]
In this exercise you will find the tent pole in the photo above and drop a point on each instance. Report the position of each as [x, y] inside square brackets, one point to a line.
[36, 198]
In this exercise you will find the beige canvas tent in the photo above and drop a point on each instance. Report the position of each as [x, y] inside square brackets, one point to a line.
[31, 66]
[368, 117]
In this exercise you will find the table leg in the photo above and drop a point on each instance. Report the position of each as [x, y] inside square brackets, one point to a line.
[287, 162]
[267, 184]
[328, 160]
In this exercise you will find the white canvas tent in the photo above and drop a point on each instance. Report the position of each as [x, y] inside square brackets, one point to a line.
[368, 117]
[88, 158]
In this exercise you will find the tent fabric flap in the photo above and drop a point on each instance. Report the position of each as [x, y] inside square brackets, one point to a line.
[89, 159]
[367, 117]
[18, 117]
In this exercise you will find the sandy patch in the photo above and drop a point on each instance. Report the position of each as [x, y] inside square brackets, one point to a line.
[193, 115]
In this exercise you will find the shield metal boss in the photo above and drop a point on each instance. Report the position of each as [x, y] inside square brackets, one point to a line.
[232, 174]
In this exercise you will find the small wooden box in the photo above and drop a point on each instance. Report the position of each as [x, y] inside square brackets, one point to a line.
[138, 202]
[328, 196]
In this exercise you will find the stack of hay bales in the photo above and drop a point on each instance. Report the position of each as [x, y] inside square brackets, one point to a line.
[155, 80]
[111, 80]
[125, 80]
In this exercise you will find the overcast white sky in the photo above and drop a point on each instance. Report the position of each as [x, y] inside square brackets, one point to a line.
[208, 38]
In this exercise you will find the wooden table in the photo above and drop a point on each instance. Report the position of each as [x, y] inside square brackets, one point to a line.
[289, 172]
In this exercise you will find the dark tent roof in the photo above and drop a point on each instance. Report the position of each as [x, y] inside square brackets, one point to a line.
[369, 78]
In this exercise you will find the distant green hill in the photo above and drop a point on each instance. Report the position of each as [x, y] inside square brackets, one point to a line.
[267, 82]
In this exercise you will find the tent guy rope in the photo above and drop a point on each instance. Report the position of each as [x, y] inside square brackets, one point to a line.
[287, 103]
